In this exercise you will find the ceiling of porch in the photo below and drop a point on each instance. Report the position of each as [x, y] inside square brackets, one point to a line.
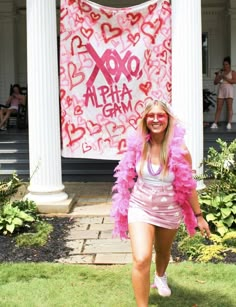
[114, 3]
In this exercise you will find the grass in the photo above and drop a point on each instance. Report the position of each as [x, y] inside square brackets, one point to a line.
[57, 285]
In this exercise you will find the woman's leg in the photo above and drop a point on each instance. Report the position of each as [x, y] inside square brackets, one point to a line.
[229, 102]
[220, 102]
[163, 241]
[8, 112]
[142, 239]
[1, 117]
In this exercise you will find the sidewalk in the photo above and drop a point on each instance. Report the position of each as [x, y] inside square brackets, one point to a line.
[91, 236]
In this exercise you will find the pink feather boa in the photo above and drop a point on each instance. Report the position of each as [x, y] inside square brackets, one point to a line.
[125, 173]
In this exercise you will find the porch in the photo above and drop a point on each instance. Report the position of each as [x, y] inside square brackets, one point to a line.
[14, 156]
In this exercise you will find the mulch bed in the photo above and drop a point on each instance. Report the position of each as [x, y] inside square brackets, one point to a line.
[53, 250]
[56, 246]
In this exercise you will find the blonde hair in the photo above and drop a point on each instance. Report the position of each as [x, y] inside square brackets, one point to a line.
[144, 131]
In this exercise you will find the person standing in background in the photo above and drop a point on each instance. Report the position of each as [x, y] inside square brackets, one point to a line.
[226, 78]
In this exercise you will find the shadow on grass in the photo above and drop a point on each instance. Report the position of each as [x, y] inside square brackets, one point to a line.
[182, 297]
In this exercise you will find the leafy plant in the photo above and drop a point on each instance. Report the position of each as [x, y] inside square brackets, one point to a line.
[230, 239]
[218, 199]
[37, 238]
[208, 100]
[190, 246]
[12, 218]
[28, 206]
[8, 187]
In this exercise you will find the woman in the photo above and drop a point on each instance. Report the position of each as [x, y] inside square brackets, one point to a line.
[163, 193]
[225, 78]
[13, 102]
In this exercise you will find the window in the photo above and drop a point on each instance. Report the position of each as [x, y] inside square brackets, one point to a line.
[205, 53]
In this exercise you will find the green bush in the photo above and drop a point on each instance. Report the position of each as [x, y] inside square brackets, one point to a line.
[230, 239]
[218, 199]
[28, 206]
[37, 238]
[181, 233]
[190, 246]
[209, 252]
[8, 187]
[12, 218]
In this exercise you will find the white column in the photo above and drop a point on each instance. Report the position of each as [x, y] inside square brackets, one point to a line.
[232, 16]
[187, 74]
[46, 186]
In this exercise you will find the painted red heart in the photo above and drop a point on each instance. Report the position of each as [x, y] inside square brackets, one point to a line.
[166, 6]
[133, 38]
[70, 2]
[76, 77]
[134, 122]
[147, 55]
[63, 13]
[134, 18]
[74, 133]
[106, 13]
[122, 147]
[78, 19]
[77, 46]
[138, 108]
[114, 130]
[86, 147]
[62, 94]
[103, 144]
[108, 32]
[78, 110]
[145, 87]
[94, 16]
[163, 56]
[151, 8]
[167, 44]
[80, 121]
[86, 32]
[168, 86]
[93, 128]
[84, 7]
[150, 29]
[68, 102]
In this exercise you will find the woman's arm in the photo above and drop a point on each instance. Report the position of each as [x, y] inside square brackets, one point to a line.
[9, 100]
[232, 80]
[218, 78]
[21, 99]
[193, 200]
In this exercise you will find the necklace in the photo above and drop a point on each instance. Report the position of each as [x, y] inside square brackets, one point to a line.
[150, 169]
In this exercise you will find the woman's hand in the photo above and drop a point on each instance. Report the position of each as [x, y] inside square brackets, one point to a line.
[203, 226]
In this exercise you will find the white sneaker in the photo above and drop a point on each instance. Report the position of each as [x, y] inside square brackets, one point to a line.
[162, 286]
[229, 126]
[214, 126]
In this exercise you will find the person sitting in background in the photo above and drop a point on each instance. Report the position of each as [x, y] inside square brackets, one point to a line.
[226, 78]
[13, 102]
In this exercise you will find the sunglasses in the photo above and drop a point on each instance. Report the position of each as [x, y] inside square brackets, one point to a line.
[158, 116]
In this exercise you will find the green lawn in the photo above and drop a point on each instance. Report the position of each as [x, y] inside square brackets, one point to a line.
[57, 285]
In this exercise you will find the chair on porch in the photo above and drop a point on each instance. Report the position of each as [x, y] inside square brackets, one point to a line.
[20, 118]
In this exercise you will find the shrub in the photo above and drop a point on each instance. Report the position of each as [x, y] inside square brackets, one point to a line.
[210, 252]
[28, 206]
[190, 246]
[8, 187]
[12, 218]
[218, 199]
[230, 239]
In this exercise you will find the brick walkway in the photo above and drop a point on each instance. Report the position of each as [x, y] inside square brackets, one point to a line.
[91, 235]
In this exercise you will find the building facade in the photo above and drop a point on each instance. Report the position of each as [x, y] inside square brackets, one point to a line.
[28, 55]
